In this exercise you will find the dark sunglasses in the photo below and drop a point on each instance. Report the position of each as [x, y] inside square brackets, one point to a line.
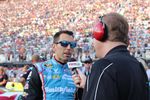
[66, 43]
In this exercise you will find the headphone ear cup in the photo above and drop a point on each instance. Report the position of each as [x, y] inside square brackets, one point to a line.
[99, 31]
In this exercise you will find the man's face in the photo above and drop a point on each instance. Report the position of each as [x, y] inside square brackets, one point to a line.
[97, 47]
[1, 72]
[64, 48]
[87, 65]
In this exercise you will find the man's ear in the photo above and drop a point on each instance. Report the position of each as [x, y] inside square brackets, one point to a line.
[53, 47]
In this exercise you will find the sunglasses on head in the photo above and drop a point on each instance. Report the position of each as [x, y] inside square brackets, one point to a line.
[66, 43]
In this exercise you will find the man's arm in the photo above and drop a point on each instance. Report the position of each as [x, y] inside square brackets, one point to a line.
[79, 79]
[3, 82]
[5, 79]
[32, 88]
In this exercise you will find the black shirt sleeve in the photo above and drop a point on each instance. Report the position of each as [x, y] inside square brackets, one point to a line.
[106, 89]
[103, 89]
[25, 75]
[33, 86]
[4, 77]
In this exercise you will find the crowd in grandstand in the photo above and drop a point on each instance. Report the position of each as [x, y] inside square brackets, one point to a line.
[27, 27]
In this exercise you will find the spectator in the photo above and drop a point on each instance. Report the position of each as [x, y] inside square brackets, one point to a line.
[35, 59]
[144, 63]
[87, 66]
[24, 75]
[26, 70]
[3, 77]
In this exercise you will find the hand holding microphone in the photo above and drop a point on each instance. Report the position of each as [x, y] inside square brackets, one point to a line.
[78, 77]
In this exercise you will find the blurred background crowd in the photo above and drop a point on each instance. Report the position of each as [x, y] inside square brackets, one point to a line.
[27, 26]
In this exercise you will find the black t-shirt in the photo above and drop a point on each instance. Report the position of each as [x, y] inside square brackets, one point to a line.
[3, 77]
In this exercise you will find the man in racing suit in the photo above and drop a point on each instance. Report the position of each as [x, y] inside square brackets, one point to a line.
[51, 80]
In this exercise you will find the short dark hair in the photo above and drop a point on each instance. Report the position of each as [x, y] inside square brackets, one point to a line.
[117, 27]
[57, 35]
[87, 60]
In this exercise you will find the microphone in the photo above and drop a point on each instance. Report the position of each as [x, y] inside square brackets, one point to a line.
[74, 65]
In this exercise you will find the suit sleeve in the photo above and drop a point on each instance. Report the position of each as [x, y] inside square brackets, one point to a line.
[101, 85]
[107, 88]
[32, 89]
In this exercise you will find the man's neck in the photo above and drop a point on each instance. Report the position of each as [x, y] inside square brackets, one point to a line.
[59, 60]
[110, 45]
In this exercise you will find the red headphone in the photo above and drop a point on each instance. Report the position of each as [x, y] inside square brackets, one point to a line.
[100, 30]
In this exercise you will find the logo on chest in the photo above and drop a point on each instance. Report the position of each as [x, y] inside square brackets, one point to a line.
[56, 76]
